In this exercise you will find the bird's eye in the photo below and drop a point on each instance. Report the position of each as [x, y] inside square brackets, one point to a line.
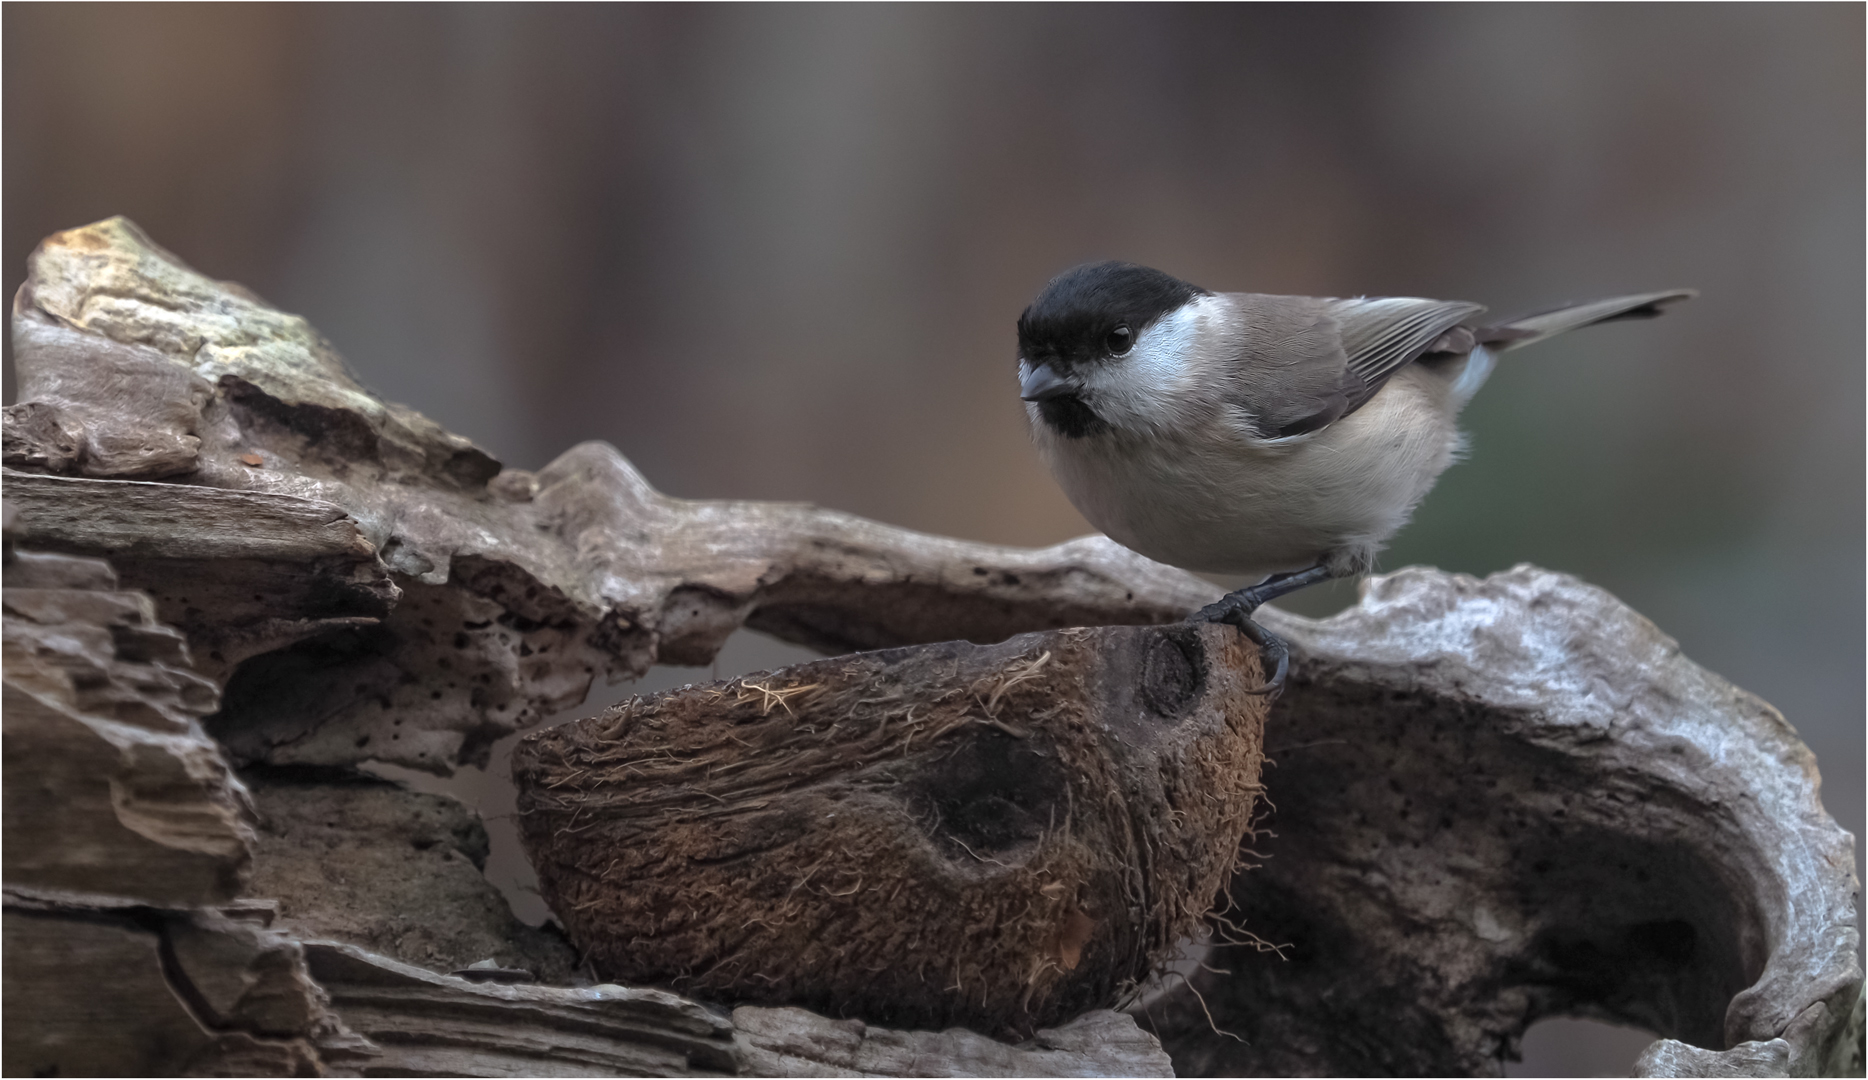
[1120, 340]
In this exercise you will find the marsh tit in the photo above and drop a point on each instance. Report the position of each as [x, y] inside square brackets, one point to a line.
[1277, 437]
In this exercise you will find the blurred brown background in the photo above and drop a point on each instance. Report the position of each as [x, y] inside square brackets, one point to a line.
[776, 252]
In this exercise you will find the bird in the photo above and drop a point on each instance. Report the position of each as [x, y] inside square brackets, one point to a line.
[1284, 439]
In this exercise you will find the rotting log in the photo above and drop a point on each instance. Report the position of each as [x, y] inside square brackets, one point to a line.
[1469, 778]
[997, 836]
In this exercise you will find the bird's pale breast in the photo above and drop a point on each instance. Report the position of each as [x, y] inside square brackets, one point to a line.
[1217, 501]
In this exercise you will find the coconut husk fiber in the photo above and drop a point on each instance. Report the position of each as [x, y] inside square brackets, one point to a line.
[997, 836]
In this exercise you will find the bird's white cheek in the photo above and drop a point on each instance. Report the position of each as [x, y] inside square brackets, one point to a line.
[1160, 357]
[1153, 386]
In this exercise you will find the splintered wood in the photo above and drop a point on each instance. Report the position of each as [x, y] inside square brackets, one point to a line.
[999, 836]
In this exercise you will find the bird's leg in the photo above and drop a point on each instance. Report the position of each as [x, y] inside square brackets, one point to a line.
[1236, 608]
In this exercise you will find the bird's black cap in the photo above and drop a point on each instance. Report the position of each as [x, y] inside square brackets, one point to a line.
[1071, 320]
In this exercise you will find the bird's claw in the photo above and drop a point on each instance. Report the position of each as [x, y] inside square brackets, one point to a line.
[1273, 655]
[1236, 608]
[1273, 652]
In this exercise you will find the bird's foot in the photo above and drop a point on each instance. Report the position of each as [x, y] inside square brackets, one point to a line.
[1274, 655]
[1236, 608]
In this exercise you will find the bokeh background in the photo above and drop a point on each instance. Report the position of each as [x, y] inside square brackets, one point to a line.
[776, 252]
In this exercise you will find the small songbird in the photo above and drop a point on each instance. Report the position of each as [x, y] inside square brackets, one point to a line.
[1282, 437]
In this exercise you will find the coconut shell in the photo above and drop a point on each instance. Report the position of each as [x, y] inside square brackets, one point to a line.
[997, 836]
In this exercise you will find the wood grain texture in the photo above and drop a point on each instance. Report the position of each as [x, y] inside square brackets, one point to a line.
[795, 1042]
[112, 785]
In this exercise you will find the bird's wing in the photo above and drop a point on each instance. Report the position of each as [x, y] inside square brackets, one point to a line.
[1380, 334]
[1306, 363]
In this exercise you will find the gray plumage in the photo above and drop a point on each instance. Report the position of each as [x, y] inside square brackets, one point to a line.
[1251, 434]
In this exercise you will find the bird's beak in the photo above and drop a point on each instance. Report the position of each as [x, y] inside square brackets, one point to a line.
[1043, 383]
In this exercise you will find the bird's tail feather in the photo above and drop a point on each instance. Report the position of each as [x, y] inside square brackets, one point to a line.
[1526, 329]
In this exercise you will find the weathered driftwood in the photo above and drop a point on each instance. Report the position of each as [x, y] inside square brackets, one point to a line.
[130, 992]
[394, 871]
[1503, 799]
[793, 1042]
[997, 836]
[364, 586]
[100, 989]
[421, 1023]
[425, 1023]
[516, 589]
[240, 573]
[128, 951]
[109, 775]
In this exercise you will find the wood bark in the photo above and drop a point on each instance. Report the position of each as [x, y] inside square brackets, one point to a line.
[233, 578]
